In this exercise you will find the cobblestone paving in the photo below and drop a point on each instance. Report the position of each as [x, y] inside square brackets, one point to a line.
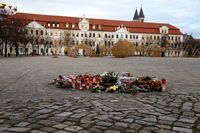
[169, 113]
[29, 104]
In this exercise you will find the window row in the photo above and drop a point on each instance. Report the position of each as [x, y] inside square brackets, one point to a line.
[53, 24]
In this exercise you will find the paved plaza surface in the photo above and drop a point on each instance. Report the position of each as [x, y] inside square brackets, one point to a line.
[29, 104]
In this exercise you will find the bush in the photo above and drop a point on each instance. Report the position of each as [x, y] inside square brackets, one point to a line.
[105, 50]
[122, 49]
[71, 53]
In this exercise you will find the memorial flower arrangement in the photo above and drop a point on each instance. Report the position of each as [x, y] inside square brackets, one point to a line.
[109, 78]
[111, 82]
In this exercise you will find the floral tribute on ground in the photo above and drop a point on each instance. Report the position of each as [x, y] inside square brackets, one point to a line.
[111, 82]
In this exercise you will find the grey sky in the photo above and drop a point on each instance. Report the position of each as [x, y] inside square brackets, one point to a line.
[181, 13]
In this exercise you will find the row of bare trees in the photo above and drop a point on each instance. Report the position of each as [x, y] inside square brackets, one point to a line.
[13, 33]
[191, 46]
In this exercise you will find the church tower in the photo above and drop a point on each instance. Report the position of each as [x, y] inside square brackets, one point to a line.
[136, 16]
[141, 15]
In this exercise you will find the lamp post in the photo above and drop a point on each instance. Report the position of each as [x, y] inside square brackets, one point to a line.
[5, 11]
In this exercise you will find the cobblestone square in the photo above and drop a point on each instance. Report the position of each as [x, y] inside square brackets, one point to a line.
[29, 104]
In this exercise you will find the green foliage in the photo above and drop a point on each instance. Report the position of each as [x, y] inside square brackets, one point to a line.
[109, 77]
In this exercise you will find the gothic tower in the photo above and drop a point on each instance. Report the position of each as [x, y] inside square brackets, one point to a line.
[136, 16]
[141, 15]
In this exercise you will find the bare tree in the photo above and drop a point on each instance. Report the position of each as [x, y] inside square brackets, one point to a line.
[67, 39]
[34, 40]
[4, 35]
[191, 46]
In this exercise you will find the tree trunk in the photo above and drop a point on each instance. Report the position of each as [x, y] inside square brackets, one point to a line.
[5, 48]
[38, 49]
[25, 50]
[17, 49]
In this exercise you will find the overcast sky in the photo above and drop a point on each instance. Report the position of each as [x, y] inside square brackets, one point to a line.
[185, 14]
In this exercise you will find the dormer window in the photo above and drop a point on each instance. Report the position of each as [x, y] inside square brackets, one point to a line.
[99, 27]
[164, 30]
[67, 25]
[53, 25]
[94, 27]
[73, 25]
[58, 25]
[48, 24]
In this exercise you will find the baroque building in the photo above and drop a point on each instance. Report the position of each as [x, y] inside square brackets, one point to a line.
[95, 32]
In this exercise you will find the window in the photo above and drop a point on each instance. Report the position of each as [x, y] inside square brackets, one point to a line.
[117, 36]
[85, 34]
[106, 35]
[32, 32]
[56, 33]
[73, 25]
[93, 34]
[42, 41]
[99, 35]
[48, 24]
[36, 32]
[99, 27]
[81, 35]
[41, 32]
[94, 27]
[58, 25]
[154, 37]
[67, 25]
[126, 36]
[136, 36]
[105, 43]
[136, 44]
[53, 25]
[131, 36]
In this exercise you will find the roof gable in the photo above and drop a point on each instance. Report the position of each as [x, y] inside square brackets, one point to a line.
[34, 24]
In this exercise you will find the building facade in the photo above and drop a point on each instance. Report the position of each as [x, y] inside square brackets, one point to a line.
[95, 32]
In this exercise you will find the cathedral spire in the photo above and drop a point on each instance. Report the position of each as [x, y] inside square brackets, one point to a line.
[136, 16]
[141, 15]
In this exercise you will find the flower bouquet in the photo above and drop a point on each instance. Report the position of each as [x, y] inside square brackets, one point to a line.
[108, 79]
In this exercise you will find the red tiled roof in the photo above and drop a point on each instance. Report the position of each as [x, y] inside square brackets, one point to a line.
[106, 25]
